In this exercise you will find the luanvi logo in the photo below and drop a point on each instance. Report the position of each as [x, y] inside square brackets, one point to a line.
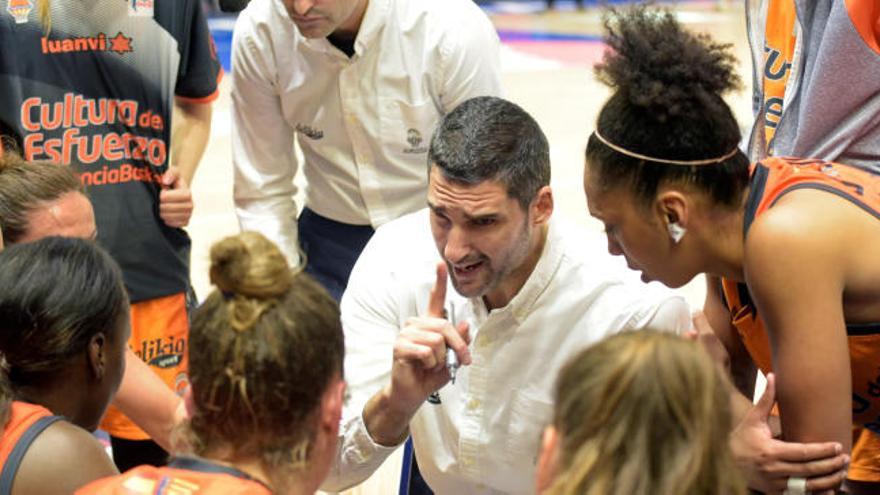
[310, 131]
[118, 44]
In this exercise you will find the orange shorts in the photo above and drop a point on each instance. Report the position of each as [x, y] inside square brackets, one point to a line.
[865, 459]
[159, 335]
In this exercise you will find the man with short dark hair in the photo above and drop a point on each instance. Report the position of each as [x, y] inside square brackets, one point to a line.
[527, 296]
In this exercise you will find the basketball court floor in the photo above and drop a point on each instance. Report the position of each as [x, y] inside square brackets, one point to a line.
[547, 62]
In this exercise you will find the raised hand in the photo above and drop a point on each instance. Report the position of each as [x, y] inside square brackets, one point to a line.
[419, 366]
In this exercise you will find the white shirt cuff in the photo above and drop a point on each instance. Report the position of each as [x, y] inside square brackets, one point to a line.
[358, 458]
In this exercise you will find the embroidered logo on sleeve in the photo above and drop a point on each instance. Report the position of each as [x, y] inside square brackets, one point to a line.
[20, 10]
[309, 131]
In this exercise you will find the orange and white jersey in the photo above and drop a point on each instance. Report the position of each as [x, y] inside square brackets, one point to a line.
[771, 179]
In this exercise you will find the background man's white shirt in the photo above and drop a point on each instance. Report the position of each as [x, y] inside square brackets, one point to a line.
[363, 123]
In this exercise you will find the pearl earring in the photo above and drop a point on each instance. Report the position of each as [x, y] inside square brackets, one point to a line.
[676, 231]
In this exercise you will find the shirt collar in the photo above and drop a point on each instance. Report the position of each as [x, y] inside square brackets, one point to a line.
[374, 20]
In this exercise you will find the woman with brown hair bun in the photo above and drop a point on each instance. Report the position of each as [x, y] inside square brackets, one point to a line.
[639, 413]
[266, 352]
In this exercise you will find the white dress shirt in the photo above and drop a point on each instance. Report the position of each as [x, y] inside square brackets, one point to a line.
[363, 123]
[483, 435]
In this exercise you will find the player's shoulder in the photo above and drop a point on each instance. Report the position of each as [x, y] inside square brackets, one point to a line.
[77, 457]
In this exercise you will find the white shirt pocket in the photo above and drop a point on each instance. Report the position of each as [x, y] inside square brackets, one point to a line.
[406, 128]
[528, 417]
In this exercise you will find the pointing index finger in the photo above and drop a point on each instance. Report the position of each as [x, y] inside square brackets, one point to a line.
[438, 293]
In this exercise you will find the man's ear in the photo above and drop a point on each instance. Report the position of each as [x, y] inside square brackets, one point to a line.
[672, 206]
[548, 459]
[542, 206]
[97, 355]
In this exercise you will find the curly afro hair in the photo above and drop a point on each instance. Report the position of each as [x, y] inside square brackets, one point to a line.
[667, 103]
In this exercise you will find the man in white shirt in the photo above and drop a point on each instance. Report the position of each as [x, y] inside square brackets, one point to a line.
[527, 296]
[361, 84]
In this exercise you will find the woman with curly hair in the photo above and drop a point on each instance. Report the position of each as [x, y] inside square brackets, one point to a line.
[678, 198]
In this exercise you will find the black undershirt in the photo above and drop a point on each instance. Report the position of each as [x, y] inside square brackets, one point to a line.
[345, 45]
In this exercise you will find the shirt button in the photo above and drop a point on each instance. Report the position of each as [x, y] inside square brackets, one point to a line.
[473, 404]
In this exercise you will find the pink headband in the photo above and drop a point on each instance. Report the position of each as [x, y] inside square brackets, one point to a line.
[626, 152]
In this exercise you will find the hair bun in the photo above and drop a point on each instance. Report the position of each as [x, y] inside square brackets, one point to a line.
[9, 157]
[658, 65]
[249, 265]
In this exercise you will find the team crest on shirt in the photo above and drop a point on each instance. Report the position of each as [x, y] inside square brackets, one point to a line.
[414, 138]
[20, 10]
[140, 8]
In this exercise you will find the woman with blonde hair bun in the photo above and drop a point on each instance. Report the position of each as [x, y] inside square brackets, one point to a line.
[266, 352]
[640, 413]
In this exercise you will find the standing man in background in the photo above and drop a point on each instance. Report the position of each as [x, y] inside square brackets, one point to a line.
[92, 85]
[361, 84]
